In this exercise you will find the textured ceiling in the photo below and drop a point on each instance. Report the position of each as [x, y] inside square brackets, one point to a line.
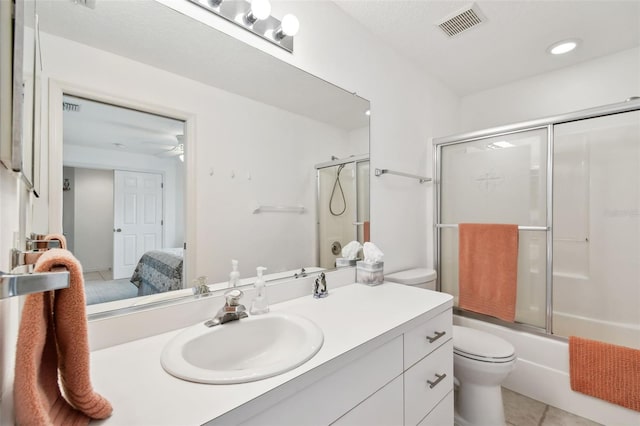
[104, 126]
[509, 46]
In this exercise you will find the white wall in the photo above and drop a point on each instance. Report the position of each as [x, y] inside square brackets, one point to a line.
[68, 207]
[93, 215]
[606, 80]
[171, 169]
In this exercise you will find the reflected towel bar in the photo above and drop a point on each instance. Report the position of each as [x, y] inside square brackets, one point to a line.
[520, 228]
[283, 209]
[421, 179]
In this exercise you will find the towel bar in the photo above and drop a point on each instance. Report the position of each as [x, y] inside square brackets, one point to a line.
[284, 209]
[421, 179]
[20, 284]
[520, 228]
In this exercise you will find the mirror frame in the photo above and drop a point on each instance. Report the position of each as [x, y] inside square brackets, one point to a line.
[57, 89]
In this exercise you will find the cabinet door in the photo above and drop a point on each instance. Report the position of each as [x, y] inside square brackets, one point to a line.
[383, 408]
[441, 415]
[334, 395]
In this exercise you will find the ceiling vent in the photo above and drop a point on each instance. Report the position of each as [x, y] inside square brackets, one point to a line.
[462, 20]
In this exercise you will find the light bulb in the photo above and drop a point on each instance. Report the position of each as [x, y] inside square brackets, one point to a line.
[260, 9]
[290, 25]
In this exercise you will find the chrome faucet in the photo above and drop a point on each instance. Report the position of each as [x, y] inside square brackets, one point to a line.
[302, 273]
[320, 287]
[231, 311]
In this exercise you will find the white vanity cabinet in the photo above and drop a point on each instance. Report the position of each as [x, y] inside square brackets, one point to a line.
[383, 346]
[406, 381]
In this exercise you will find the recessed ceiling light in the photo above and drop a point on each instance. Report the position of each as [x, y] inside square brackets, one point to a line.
[562, 47]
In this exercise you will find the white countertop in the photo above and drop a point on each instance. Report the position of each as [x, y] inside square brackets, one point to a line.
[353, 318]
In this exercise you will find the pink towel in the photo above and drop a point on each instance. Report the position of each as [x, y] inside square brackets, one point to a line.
[488, 269]
[606, 371]
[53, 339]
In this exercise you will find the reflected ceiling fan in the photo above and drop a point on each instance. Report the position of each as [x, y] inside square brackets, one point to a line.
[171, 150]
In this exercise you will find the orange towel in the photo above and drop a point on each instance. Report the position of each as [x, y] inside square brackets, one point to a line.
[53, 339]
[59, 237]
[488, 269]
[606, 371]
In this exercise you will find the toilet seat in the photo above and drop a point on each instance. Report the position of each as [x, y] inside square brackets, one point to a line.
[481, 346]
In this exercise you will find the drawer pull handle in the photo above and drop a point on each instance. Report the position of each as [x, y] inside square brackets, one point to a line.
[440, 377]
[438, 335]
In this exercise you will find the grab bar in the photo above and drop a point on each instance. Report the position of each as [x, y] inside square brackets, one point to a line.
[520, 227]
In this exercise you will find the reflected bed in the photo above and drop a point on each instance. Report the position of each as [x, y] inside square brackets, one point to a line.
[159, 271]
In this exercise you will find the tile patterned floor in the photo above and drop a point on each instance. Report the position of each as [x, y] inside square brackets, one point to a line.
[522, 411]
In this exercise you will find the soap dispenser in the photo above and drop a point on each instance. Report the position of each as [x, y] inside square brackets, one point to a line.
[234, 276]
[260, 305]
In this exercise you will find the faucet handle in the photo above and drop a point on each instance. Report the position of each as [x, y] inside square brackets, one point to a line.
[233, 297]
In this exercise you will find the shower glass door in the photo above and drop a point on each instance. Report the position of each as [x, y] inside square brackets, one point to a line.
[343, 208]
[500, 179]
[596, 239]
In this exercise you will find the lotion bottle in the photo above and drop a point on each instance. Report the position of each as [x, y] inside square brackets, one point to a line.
[234, 276]
[260, 305]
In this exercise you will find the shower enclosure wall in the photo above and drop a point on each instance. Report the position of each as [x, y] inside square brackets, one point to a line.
[572, 184]
[342, 206]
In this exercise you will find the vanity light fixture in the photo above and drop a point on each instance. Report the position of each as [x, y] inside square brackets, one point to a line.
[562, 47]
[258, 10]
[255, 16]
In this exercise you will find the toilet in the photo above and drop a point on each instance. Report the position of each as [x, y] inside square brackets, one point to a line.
[418, 277]
[481, 362]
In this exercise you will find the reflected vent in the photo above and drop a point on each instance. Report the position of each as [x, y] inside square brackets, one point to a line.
[462, 20]
[68, 106]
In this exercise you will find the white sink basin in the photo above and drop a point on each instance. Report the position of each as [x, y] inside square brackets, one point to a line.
[242, 351]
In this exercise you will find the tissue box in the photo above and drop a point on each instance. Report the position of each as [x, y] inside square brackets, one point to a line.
[369, 273]
[341, 262]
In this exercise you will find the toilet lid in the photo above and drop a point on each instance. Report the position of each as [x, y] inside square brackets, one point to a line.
[481, 346]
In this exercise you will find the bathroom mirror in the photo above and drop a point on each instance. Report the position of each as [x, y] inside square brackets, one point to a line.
[19, 149]
[256, 132]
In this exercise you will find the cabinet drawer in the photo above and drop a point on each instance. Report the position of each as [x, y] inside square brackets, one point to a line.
[427, 382]
[383, 408]
[442, 414]
[427, 337]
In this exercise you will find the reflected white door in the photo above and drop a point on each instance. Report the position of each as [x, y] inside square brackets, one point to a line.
[137, 219]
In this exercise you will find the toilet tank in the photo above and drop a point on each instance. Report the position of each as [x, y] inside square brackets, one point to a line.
[418, 277]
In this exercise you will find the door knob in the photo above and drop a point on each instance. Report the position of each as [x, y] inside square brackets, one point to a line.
[117, 230]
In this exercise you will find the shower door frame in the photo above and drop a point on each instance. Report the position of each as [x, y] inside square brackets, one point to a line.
[355, 159]
[547, 123]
